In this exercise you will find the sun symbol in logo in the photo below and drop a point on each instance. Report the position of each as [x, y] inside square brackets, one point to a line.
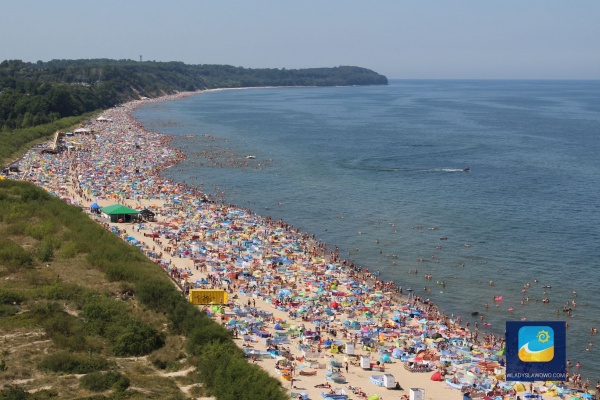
[543, 336]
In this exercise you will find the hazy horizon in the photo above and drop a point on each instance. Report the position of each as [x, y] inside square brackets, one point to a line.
[468, 39]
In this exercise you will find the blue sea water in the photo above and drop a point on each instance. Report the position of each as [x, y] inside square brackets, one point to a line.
[379, 172]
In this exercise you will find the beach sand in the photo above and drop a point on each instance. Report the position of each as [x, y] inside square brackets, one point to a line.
[200, 241]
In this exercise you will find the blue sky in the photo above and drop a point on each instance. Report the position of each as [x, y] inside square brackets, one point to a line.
[522, 39]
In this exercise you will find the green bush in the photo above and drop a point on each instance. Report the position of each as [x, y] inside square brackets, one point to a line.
[74, 363]
[34, 195]
[239, 381]
[101, 312]
[69, 250]
[209, 332]
[13, 393]
[10, 297]
[158, 295]
[14, 256]
[41, 230]
[8, 310]
[118, 272]
[17, 228]
[101, 381]
[138, 339]
[44, 310]
[64, 291]
[45, 251]
[76, 341]
[185, 317]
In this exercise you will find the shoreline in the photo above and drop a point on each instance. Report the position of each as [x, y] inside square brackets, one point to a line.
[79, 195]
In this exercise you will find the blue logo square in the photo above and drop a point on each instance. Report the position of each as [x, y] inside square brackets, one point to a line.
[535, 350]
[536, 343]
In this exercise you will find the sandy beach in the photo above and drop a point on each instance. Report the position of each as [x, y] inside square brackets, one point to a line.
[306, 316]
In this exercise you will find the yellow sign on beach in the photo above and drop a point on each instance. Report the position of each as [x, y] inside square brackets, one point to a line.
[208, 296]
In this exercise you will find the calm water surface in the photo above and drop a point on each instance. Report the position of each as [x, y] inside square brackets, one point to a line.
[378, 171]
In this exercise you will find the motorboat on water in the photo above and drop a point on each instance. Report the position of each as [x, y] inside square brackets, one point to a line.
[466, 169]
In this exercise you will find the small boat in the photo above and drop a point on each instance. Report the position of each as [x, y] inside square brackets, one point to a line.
[547, 287]
[466, 169]
[250, 157]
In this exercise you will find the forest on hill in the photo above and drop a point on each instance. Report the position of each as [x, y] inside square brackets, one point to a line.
[32, 94]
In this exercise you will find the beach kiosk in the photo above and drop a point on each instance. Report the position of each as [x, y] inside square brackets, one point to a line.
[416, 394]
[365, 362]
[208, 296]
[119, 213]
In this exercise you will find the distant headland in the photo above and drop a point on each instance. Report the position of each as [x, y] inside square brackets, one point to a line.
[55, 89]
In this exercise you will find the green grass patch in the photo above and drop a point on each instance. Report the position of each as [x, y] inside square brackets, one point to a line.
[75, 363]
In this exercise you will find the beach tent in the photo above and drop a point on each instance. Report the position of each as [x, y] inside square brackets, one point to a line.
[120, 213]
[437, 376]
[397, 352]
[147, 214]
[385, 359]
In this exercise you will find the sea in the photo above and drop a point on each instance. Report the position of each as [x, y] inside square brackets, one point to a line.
[457, 190]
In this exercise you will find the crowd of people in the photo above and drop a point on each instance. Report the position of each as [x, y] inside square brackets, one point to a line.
[208, 244]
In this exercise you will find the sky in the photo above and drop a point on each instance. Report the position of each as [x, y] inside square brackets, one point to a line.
[418, 39]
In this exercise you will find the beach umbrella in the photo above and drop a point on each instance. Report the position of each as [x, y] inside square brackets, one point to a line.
[519, 387]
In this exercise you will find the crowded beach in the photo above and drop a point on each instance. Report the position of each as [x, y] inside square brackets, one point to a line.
[323, 326]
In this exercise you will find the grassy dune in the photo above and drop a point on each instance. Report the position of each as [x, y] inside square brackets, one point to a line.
[85, 315]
